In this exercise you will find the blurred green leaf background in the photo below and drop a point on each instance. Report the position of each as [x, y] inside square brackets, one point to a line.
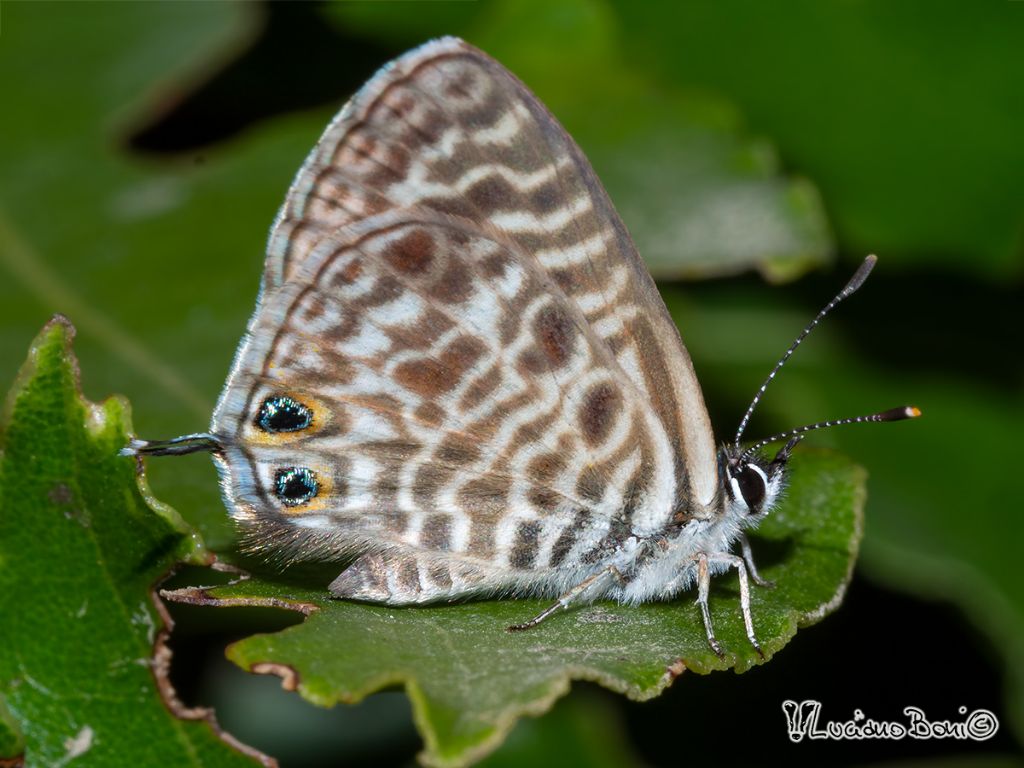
[144, 149]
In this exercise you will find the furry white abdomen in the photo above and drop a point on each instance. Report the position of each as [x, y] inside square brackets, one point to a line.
[673, 566]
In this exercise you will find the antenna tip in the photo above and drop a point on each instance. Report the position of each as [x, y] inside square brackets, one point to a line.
[859, 276]
[898, 414]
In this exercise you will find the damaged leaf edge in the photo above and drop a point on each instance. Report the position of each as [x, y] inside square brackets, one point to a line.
[161, 669]
[192, 551]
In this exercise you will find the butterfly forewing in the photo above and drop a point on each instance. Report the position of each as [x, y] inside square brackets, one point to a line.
[448, 128]
[492, 373]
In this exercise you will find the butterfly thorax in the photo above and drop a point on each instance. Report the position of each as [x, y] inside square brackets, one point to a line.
[660, 566]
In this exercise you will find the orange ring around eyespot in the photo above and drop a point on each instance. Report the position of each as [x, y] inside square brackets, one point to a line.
[321, 417]
[325, 487]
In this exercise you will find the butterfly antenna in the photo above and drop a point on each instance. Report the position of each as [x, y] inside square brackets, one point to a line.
[855, 282]
[893, 414]
[179, 446]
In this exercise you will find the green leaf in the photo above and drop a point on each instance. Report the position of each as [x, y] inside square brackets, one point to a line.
[580, 730]
[469, 679]
[11, 741]
[81, 546]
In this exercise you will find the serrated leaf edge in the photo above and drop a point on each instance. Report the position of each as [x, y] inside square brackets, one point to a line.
[99, 416]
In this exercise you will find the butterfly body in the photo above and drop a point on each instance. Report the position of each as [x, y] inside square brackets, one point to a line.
[461, 379]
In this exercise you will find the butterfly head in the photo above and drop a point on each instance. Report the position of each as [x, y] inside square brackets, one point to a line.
[752, 482]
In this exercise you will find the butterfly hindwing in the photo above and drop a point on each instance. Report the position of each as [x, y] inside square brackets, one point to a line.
[458, 403]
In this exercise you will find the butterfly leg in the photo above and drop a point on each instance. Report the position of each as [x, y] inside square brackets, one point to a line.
[704, 561]
[748, 558]
[574, 596]
[703, 587]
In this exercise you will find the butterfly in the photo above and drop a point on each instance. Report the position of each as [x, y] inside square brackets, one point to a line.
[460, 376]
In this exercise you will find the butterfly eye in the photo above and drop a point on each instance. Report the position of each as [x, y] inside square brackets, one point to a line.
[295, 485]
[751, 481]
[283, 414]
